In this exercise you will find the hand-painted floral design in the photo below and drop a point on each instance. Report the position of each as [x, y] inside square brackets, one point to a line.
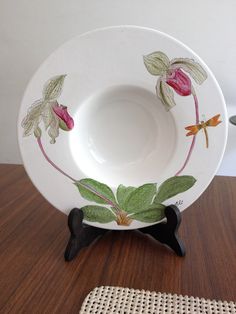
[48, 111]
[145, 203]
[174, 75]
[171, 74]
[180, 82]
[66, 122]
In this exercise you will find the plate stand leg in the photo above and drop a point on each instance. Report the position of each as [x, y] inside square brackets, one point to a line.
[166, 232]
[81, 235]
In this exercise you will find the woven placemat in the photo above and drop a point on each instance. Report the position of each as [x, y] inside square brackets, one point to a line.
[114, 300]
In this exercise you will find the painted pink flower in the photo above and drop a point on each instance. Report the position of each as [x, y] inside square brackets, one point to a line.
[66, 122]
[47, 111]
[180, 82]
[174, 75]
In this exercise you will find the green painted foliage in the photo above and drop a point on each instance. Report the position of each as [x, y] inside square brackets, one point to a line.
[123, 193]
[95, 191]
[173, 186]
[140, 198]
[95, 213]
[152, 214]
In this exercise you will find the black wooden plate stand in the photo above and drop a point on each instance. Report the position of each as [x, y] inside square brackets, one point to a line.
[82, 235]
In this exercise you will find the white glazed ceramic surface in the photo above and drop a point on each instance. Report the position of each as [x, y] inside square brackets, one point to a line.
[122, 135]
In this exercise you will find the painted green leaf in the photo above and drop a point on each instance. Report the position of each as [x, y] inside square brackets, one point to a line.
[139, 199]
[95, 191]
[53, 87]
[173, 186]
[154, 213]
[165, 94]
[192, 67]
[157, 63]
[122, 193]
[98, 214]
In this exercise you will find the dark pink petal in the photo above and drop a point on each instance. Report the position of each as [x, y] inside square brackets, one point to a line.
[179, 81]
[66, 121]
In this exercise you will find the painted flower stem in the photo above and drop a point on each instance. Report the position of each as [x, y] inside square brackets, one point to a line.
[51, 162]
[85, 186]
[196, 106]
[194, 136]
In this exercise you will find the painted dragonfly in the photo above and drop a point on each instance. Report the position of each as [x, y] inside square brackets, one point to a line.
[193, 129]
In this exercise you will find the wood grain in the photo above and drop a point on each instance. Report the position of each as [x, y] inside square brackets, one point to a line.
[35, 279]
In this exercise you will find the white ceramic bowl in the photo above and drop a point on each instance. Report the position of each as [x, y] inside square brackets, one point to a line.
[132, 155]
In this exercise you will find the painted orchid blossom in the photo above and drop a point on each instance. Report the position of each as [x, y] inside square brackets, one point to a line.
[48, 111]
[66, 122]
[173, 75]
[179, 81]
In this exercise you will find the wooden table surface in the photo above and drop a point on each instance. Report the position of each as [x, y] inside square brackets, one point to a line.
[34, 278]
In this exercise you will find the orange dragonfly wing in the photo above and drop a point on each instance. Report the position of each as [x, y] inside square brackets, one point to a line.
[193, 129]
[214, 121]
